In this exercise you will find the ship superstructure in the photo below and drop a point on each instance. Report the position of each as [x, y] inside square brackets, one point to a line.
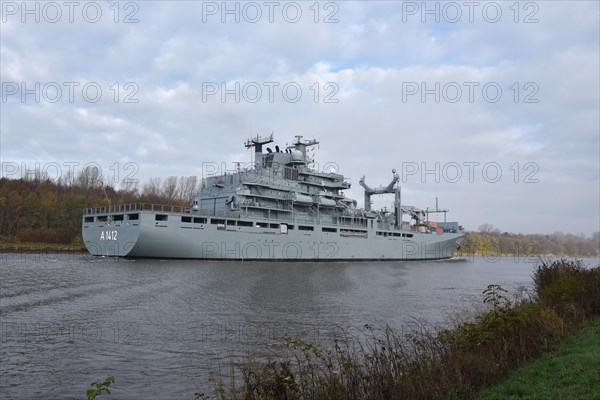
[280, 208]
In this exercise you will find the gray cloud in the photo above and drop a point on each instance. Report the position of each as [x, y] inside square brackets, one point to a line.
[376, 55]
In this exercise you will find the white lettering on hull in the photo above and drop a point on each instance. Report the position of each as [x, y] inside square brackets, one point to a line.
[108, 235]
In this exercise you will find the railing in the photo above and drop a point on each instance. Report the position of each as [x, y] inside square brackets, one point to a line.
[135, 207]
[212, 213]
[158, 208]
[330, 220]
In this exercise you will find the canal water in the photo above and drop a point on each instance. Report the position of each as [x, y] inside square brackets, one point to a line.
[163, 328]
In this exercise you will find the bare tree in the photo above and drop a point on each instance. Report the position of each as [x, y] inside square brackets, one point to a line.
[129, 185]
[486, 228]
[169, 187]
[90, 177]
[187, 187]
[152, 188]
[68, 178]
[35, 175]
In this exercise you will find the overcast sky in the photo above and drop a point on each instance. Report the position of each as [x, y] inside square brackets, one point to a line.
[493, 107]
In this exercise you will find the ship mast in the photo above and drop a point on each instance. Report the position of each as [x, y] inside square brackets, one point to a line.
[301, 145]
[258, 143]
[436, 211]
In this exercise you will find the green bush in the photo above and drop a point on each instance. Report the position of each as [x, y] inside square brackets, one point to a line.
[569, 288]
[274, 380]
[98, 388]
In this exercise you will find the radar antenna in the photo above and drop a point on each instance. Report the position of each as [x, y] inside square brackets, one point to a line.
[258, 141]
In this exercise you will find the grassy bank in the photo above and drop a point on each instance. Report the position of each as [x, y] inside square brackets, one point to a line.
[571, 373]
[429, 362]
[35, 247]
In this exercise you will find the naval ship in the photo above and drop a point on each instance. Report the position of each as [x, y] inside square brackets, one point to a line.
[279, 208]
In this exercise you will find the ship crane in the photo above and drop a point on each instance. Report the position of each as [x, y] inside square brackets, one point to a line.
[391, 189]
[415, 213]
[378, 190]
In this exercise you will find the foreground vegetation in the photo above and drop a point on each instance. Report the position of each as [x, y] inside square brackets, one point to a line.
[37, 211]
[429, 363]
[570, 374]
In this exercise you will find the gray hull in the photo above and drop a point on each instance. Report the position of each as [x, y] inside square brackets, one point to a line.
[280, 208]
[170, 235]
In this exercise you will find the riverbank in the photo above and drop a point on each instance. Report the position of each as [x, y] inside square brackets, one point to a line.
[76, 247]
[37, 247]
[456, 362]
[569, 373]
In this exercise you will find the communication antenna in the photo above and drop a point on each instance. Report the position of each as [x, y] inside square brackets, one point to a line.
[436, 211]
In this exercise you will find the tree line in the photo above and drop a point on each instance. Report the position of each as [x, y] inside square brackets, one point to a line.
[488, 241]
[38, 209]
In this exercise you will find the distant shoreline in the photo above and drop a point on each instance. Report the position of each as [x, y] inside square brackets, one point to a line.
[36, 247]
[515, 255]
[41, 247]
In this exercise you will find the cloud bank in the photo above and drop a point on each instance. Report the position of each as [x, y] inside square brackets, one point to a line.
[493, 107]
